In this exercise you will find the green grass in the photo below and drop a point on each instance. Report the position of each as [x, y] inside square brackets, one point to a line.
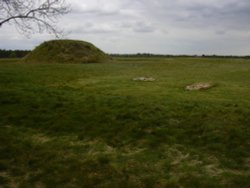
[66, 51]
[91, 125]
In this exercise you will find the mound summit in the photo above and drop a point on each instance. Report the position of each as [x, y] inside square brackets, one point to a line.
[66, 51]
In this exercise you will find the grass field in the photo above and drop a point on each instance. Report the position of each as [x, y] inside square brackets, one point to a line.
[91, 125]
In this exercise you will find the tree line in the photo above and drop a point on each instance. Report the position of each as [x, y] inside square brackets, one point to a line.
[13, 53]
[170, 56]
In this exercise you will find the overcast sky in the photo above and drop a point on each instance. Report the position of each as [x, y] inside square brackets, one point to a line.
[154, 26]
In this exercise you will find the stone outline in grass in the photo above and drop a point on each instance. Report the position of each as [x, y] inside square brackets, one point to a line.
[144, 79]
[199, 86]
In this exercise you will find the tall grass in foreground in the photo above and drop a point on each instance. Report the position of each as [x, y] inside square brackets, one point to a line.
[91, 125]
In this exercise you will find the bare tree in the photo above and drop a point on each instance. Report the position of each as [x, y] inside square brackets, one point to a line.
[30, 16]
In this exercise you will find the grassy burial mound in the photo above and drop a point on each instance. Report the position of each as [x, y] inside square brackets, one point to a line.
[66, 51]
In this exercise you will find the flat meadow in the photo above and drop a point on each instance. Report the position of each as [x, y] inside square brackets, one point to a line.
[92, 125]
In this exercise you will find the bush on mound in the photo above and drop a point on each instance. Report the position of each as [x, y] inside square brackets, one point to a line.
[66, 51]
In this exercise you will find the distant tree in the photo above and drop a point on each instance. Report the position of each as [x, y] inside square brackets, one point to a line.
[13, 54]
[31, 16]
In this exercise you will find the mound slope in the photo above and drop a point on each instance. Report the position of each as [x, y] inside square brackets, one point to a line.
[66, 51]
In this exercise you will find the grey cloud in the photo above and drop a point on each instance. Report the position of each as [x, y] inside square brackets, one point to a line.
[220, 32]
[95, 11]
[112, 28]
[137, 26]
[142, 27]
[92, 28]
[223, 14]
[160, 26]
